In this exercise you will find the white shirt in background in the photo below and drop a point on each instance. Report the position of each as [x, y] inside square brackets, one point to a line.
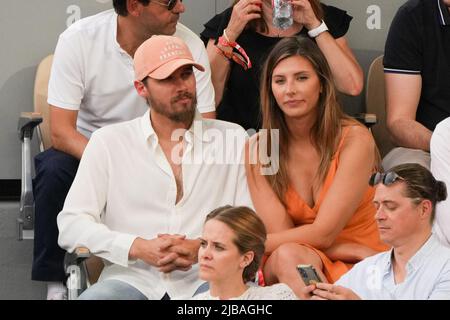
[279, 291]
[440, 168]
[93, 75]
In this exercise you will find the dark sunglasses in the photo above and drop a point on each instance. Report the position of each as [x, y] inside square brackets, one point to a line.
[170, 4]
[386, 178]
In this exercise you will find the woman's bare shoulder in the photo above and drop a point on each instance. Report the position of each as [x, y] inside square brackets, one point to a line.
[359, 134]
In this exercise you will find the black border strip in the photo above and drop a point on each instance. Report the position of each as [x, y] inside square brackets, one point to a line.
[10, 190]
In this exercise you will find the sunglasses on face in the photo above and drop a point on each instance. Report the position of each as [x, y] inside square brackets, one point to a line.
[169, 4]
[386, 178]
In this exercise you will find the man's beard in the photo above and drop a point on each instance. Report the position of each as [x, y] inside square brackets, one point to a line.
[185, 116]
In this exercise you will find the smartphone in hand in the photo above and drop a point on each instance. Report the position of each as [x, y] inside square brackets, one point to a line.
[308, 274]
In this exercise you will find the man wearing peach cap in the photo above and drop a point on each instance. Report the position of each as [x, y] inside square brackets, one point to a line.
[144, 187]
[91, 86]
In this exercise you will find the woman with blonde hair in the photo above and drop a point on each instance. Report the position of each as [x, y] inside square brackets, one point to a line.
[317, 207]
[248, 24]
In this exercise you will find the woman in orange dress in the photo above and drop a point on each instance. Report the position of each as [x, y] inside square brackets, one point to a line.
[316, 203]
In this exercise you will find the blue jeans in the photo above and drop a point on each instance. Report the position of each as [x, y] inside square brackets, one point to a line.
[112, 290]
[119, 290]
[55, 171]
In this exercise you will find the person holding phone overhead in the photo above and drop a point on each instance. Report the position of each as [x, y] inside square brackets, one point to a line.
[418, 266]
[235, 73]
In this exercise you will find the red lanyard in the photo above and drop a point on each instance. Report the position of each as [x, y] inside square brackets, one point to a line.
[241, 57]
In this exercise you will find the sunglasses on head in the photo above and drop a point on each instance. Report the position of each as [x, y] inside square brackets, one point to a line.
[386, 178]
[169, 4]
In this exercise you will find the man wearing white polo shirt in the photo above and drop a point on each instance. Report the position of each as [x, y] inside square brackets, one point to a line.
[91, 85]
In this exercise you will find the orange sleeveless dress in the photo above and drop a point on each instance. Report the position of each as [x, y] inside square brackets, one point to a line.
[360, 229]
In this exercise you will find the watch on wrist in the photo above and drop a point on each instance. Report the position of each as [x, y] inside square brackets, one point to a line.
[316, 31]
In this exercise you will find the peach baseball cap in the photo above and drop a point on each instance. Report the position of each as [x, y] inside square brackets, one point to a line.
[159, 56]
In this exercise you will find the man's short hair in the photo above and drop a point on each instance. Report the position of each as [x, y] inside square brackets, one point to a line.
[120, 6]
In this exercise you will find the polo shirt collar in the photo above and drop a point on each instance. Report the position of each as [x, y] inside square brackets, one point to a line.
[114, 25]
[443, 13]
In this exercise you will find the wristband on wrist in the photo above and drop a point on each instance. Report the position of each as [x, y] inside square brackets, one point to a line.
[240, 57]
[225, 35]
[227, 55]
[236, 57]
[316, 31]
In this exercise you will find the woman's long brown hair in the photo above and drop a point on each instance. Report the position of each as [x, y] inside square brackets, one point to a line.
[326, 131]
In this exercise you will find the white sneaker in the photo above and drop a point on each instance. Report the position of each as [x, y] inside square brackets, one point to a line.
[56, 291]
[57, 296]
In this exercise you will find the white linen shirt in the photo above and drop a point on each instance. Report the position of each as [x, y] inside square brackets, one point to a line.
[125, 188]
[93, 75]
[440, 168]
[427, 277]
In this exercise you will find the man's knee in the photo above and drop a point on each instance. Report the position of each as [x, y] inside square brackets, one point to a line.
[112, 290]
[96, 292]
[55, 169]
[52, 161]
